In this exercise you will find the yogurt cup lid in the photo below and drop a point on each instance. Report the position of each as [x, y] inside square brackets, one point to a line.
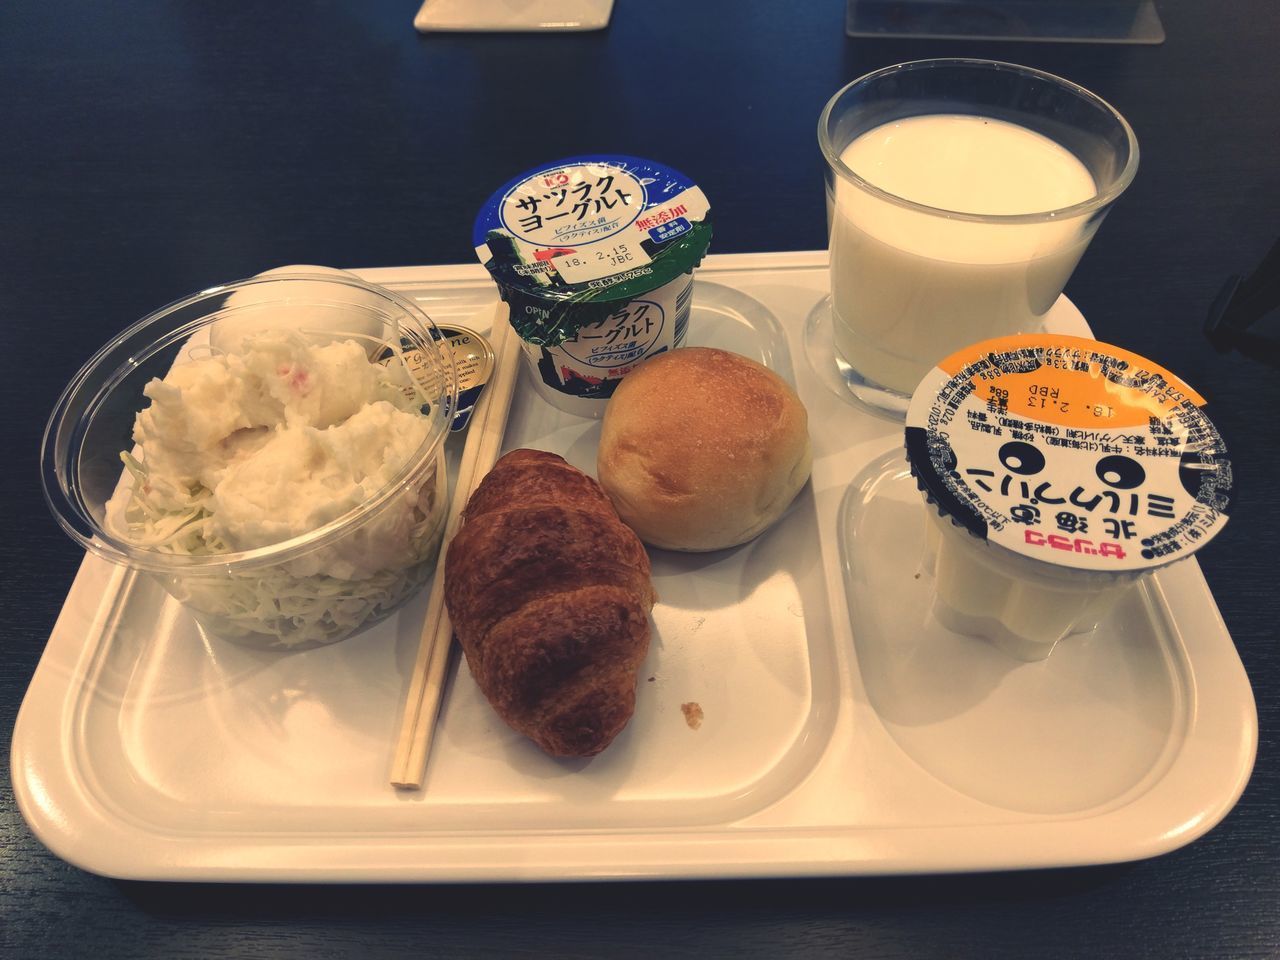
[1069, 451]
[574, 239]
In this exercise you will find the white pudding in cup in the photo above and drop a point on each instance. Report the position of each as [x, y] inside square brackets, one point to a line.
[1057, 472]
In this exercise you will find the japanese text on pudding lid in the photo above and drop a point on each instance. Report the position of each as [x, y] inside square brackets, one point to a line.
[1069, 451]
[595, 257]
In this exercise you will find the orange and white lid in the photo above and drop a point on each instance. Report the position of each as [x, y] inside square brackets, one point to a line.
[1069, 451]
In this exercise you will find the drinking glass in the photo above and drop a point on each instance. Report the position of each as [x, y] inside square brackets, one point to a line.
[914, 278]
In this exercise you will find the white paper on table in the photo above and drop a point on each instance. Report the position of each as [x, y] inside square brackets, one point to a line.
[513, 15]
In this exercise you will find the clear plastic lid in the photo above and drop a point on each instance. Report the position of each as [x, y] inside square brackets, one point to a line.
[92, 422]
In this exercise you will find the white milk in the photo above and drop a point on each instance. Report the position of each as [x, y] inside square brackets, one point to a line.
[909, 288]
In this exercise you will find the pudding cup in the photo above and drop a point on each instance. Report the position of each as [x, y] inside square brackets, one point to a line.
[1022, 606]
[1056, 473]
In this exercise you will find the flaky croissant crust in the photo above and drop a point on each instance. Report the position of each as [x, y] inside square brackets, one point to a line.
[549, 594]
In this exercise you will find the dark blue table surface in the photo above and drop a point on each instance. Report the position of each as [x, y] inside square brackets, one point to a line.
[150, 149]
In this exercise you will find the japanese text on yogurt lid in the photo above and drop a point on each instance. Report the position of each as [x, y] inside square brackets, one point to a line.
[1069, 451]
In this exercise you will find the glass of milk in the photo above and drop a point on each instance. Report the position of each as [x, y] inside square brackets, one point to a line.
[961, 194]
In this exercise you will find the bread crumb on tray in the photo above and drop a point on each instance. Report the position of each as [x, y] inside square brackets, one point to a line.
[692, 714]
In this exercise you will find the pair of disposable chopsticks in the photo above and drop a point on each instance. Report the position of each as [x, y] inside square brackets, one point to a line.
[479, 453]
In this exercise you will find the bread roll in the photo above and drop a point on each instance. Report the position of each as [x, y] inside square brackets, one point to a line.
[549, 594]
[702, 449]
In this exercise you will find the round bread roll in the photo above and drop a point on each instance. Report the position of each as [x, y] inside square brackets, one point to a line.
[702, 449]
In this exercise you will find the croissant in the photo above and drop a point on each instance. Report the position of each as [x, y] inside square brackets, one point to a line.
[549, 594]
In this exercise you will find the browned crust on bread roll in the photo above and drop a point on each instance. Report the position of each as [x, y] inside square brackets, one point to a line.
[703, 449]
[549, 594]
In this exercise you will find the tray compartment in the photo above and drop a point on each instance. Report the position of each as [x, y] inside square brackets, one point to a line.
[1101, 718]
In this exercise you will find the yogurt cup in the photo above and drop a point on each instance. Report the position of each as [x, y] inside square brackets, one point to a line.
[1058, 471]
[594, 255]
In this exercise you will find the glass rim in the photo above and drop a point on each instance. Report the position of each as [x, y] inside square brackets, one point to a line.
[1098, 201]
[56, 473]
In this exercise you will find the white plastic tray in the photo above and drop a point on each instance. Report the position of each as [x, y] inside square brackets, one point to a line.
[844, 732]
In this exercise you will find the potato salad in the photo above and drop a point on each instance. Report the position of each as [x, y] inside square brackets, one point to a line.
[245, 450]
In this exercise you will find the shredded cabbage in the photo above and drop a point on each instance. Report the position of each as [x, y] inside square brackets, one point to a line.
[317, 598]
[277, 606]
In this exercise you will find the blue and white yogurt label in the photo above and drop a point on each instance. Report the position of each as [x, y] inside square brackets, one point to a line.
[587, 219]
[581, 374]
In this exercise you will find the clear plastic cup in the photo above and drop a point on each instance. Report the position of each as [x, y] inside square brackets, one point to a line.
[316, 587]
[1022, 606]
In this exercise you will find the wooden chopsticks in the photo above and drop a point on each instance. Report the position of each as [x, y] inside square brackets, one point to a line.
[484, 443]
